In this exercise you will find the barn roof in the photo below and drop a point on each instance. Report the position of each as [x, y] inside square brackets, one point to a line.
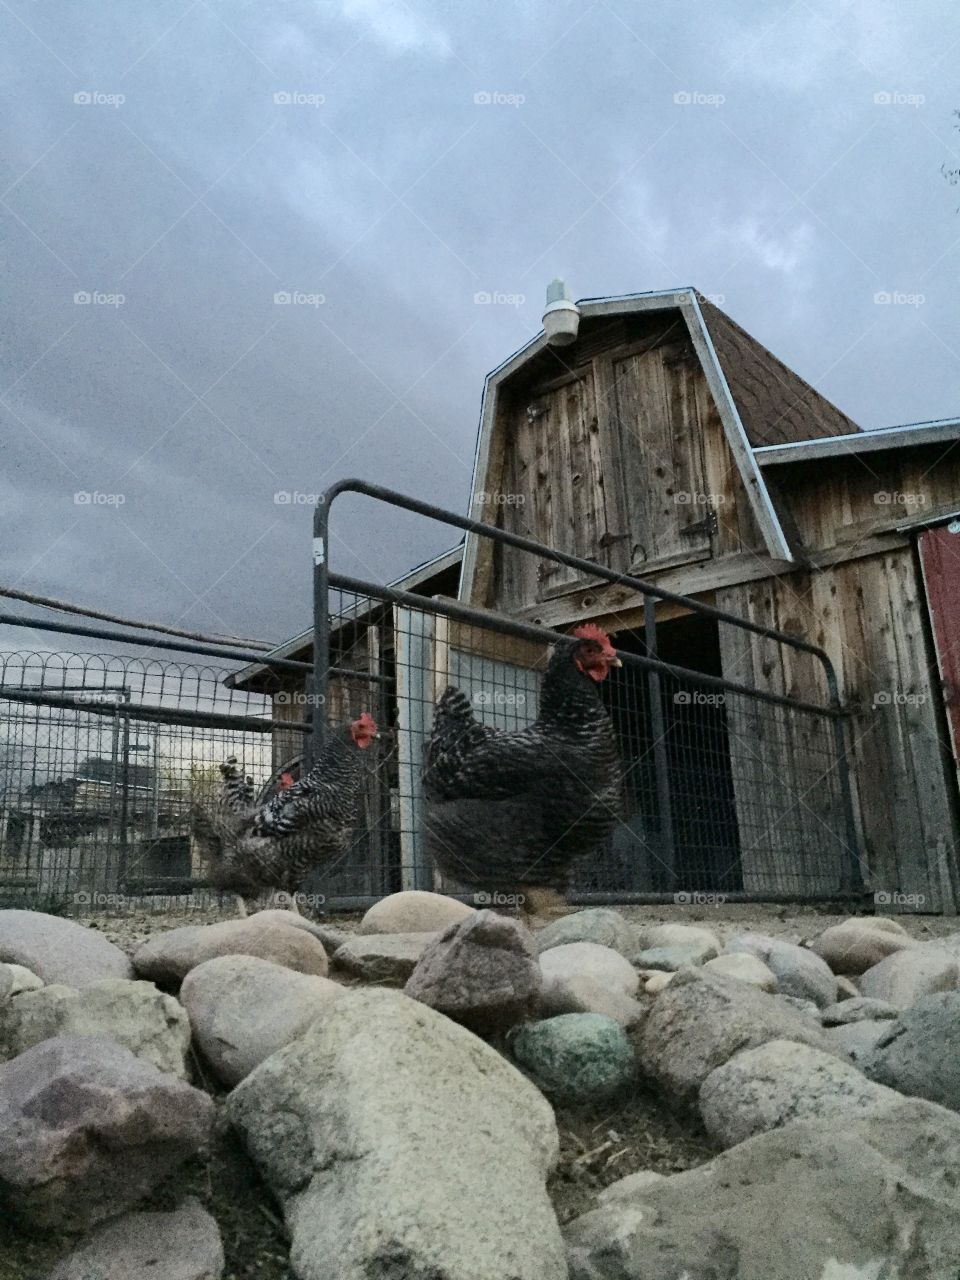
[945, 431]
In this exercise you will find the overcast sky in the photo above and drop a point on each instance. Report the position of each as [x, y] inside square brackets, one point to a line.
[181, 163]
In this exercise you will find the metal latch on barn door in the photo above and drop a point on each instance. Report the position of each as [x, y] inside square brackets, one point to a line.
[707, 525]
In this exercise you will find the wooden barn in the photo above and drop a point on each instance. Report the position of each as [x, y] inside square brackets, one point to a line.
[666, 443]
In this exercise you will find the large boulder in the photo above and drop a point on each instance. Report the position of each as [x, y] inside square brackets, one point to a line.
[798, 971]
[903, 977]
[400, 1144]
[589, 960]
[602, 925]
[919, 1053]
[87, 1129]
[482, 972]
[242, 1009]
[702, 1019]
[870, 1197]
[777, 1083]
[136, 1015]
[857, 944]
[168, 957]
[577, 1058]
[388, 958]
[183, 1245]
[59, 950]
[414, 911]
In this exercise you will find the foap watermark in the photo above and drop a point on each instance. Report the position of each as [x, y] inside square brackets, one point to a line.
[101, 901]
[897, 698]
[284, 899]
[85, 299]
[86, 498]
[483, 698]
[498, 499]
[894, 898]
[898, 298]
[694, 98]
[296, 298]
[497, 899]
[294, 498]
[716, 299]
[294, 98]
[687, 498]
[897, 98]
[94, 98]
[697, 698]
[895, 498]
[495, 98]
[299, 698]
[498, 298]
[696, 898]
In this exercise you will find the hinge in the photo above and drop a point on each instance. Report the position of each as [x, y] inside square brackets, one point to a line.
[707, 525]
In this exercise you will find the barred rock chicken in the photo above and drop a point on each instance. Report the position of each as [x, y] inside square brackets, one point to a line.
[510, 811]
[304, 824]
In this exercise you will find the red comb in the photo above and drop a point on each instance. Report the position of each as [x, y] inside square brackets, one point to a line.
[590, 631]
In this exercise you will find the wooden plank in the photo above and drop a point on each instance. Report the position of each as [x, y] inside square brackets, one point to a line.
[857, 443]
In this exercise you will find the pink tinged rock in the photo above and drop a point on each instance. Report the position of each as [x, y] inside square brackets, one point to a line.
[87, 1130]
[169, 957]
[415, 911]
[857, 944]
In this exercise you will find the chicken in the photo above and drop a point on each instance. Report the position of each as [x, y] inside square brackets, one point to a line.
[509, 812]
[304, 824]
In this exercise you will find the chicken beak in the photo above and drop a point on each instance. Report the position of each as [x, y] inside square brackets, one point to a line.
[615, 662]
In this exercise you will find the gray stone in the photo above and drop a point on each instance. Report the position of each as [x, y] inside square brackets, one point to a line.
[903, 977]
[702, 1019]
[589, 960]
[799, 972]
[20, 979]
[389, 958]
[745, 968]
[586, 995]
[856, 1040]
[87, 1129]
[856, 1010]
[872, 1198]
[169, 957]
[919, 1053]
[677, 935]
[242, 1009]
[414, 911]
[136, 1015]
[601, 925]
[577, 1058]
[183, 1245]
[628, 1188]
[59, 950]
[777, 1083]
[671, 958]
[323, 932]
[806, 1007]
[481, 972]
[859, 943]
[400, 1144]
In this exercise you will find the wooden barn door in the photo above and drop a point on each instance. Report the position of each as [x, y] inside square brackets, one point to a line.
[940, 560]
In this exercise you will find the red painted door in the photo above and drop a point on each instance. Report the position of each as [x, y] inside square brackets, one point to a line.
[940, 559]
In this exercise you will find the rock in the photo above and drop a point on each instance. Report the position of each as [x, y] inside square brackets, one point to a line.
[856, 1040]
[399, 1144]
[906, 975]
[657, 982]
[87, 1129]
[602, 925]
[703, 1019]
[589, 960]
[183, 1245]
[153, 1026]
[871, 1198]
[242, 1009]
[859, 943]
[20, 979]
[324, 933]
[674, 957]
[807, 1007]
[577, 1058]
[846, 990]
[779, 1082]
[799, 972]
[169, 957]
[481, 972]
[836, 1015]
[59, 950]
[632, 1185]
[414, 911]
[919, 1053]
[586, 995]
[745, 968]
[388, 958]
[677, 935]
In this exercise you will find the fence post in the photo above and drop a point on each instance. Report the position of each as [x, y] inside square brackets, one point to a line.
[659, 730]
[851, 870]
[313, 742]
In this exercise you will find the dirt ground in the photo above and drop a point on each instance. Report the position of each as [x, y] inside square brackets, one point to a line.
[596, 1147]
